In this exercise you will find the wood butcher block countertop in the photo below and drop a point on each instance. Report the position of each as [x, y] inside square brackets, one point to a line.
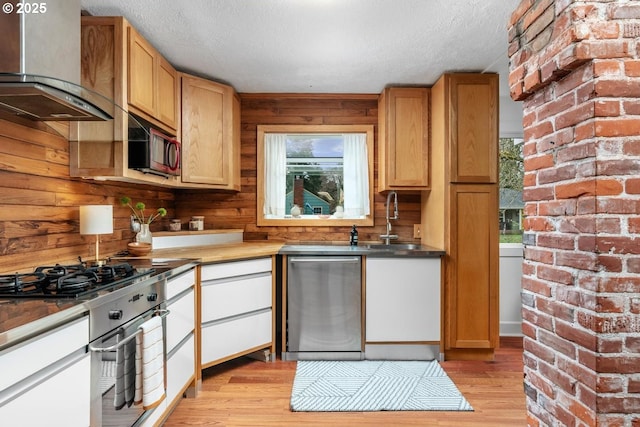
[220, 252]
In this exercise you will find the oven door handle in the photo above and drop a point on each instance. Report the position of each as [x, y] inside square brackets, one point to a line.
[161, 312]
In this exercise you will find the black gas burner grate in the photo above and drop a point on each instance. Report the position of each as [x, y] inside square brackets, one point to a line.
[68, 281]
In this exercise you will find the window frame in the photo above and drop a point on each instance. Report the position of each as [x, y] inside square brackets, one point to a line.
[311, 129]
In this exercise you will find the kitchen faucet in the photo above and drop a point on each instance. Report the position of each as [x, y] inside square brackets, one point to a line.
[388, 236]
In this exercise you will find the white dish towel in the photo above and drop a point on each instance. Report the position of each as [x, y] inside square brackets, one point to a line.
[150, 364]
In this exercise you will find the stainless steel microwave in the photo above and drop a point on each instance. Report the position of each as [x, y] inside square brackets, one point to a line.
[151, 151]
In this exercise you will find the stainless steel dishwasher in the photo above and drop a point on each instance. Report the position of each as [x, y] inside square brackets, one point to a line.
[324, 308]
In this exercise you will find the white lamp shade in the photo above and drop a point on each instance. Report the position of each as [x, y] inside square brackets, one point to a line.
[96, 219]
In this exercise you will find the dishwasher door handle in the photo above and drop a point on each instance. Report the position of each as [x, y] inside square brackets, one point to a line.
[327, 259]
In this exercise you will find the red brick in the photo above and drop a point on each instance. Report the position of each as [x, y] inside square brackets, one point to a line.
[532, 80]
[617, 88]
[619, 167]
[555, 240]
[537, 194]
[635, 306]
[529, 179]
[583, 411]
[538, 224]
[618, 206]
[610, 304]
[632, 185]
[541, 384]
[617, 127]
[536, 286]
[618, 244]
[619, 284]
[611, 264]
[522, 8]
[607, 108]
[576, 152]
[556, 106]
[633, 264]
[623, 11]
[541, 320]
[538, 130]
[586, 243]
[601, 49]
[586, 206]
[556, 275]
[634, 385]
[634, 225]
[631, 147]
[557, 207]
[618, 404]
[585, 131]
[610, 345]
[575, 115]
[557, 344]
[582, 337]
[605, 30]
[608, 187]
[607, 67]
[616, 324]
[632, 68]
[631, 107]
[577, 260]
[575, 225]
[608, 225]
[632, 344]
[576, 189]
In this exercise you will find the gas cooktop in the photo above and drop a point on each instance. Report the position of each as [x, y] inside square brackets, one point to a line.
[69, 281]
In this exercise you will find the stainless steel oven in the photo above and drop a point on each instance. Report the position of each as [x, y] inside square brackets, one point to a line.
[114, 324]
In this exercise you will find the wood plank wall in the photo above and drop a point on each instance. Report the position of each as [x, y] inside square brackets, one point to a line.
[39, 201]
[231, 210]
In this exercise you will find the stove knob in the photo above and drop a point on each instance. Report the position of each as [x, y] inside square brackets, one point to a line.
[115, 314]
[152, 297]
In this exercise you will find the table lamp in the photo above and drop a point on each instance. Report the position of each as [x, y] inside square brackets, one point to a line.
[96, 219]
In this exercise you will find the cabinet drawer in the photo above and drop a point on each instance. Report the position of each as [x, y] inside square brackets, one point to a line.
[61, 400]
[181, 369]
[236, 268]
[27, 358]
[231, 337]
[177, 284]
[181, 319]
[230, 298]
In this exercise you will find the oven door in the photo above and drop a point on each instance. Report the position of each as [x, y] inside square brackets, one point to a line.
[111, 356]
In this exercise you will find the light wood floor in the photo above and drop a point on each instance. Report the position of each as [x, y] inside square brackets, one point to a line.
[247, 392]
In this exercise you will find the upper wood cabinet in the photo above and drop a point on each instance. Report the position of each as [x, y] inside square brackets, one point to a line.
[153, 82]
[403, 139]
[473, 127]
[210, 134]
[121, 65]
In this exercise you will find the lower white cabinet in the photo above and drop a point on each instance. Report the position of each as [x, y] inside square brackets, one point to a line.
[236, 309]
[402, 306]
[46, 380]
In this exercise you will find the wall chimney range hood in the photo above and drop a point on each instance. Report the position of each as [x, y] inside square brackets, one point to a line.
[47, 99]
[40, 67]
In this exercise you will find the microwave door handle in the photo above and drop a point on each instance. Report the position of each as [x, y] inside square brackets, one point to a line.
[167, 155]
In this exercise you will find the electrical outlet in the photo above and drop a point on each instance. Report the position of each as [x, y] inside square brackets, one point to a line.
[417, 229]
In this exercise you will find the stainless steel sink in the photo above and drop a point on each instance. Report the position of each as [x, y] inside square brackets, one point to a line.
[395, 246]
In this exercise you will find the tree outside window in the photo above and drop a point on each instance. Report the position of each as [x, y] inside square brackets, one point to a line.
[511, 166]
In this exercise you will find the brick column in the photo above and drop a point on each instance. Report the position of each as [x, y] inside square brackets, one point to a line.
[575, 66]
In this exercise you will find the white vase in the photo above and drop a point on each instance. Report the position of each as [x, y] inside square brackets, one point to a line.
[144, 235]
[295, 211]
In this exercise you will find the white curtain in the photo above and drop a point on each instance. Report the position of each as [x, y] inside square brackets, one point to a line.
[275, 174]
[356, 175]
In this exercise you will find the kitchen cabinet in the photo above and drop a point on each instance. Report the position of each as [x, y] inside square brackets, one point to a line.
[460, 212]
[153, 82]
[473, 127]
[403, 314]
[210, 134]
[119, 64]
[50, 372]
[237, 309]
[182, 365]
[403, 139]
[472, 273]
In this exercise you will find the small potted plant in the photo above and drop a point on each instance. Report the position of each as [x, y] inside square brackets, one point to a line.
[138, 216]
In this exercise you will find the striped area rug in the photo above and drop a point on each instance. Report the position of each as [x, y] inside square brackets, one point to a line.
[367, 385]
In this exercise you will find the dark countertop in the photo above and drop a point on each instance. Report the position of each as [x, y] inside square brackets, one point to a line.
[23, 318]
[374, 250]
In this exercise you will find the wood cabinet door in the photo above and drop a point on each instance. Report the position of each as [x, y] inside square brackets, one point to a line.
[473, 127]
[404, 136]
[472, 272]
[142, 74]
[167, 103]
[204, 150]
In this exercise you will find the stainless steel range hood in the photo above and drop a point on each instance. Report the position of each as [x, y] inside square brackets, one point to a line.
[47, 99]
[40, 67]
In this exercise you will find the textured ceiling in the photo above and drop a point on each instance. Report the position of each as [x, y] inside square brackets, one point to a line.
[324, 46]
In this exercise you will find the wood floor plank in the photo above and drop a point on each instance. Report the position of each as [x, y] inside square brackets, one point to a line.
[246, 393]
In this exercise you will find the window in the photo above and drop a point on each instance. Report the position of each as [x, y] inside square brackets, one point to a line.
[315, 175]
[511, 185]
